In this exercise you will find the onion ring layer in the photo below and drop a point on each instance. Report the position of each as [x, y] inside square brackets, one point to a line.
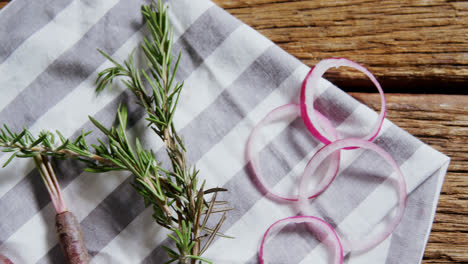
[370, 241]
[307, 98]
[321, 229]
[289, 110]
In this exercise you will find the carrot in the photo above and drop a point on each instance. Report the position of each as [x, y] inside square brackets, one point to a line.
[66, 225]
[68, 229]
[71, 238]
[5, 260]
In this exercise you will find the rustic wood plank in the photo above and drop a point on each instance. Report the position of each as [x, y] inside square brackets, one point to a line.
[411, 46]
[415, 46]
[442, 122]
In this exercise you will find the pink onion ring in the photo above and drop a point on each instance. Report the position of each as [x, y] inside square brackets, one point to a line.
[368, 242]
[292, 111]
[5, 260]
[321, 229]
[307, 95]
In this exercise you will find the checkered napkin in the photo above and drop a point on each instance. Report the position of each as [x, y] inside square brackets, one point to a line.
[233, 77]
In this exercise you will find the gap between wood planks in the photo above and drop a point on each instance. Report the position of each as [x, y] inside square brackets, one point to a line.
[442, 122]
[411, 46]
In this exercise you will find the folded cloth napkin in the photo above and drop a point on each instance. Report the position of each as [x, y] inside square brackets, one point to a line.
[233, 77]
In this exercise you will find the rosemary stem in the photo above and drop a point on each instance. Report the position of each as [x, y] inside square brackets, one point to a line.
[44, 150]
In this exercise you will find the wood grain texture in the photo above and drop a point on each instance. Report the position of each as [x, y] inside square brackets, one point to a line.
[442, 122]
[411, 46]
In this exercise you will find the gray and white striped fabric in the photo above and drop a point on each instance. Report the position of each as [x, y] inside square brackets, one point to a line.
[233, 77]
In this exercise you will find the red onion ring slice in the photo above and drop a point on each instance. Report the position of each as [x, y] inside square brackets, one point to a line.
[370, 241]
[307, 96]
[291, 111]
[321, 229]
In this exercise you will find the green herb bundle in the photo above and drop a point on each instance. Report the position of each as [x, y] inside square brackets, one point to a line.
[177, 197]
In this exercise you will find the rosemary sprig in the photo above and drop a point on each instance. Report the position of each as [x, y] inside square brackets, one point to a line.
[176, 196]
[158, 93]
[166, 191]
[26, 145]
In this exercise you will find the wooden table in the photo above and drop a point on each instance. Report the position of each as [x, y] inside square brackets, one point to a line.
[419, 52]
